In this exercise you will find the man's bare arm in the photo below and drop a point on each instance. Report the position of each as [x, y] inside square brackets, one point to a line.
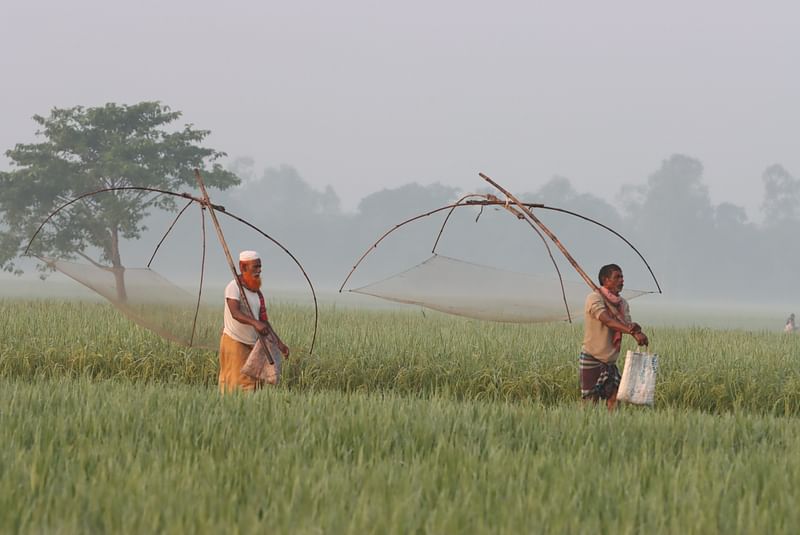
[632, 329]
[610, 321]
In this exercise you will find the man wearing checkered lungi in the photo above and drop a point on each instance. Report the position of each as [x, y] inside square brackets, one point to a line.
[606, 317]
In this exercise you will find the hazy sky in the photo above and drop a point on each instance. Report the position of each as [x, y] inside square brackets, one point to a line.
[364, 95]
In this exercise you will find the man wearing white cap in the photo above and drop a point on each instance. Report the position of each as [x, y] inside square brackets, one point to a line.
[241, 329]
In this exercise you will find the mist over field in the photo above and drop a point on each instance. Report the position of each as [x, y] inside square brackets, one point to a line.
[704, 255]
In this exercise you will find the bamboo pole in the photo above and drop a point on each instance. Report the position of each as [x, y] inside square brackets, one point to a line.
[544, 228]
[201, 202]
[558, 243]
[212, 213]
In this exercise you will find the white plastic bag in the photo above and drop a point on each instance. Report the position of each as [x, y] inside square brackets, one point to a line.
[638, 383]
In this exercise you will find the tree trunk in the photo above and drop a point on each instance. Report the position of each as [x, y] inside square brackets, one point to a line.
[117, 267]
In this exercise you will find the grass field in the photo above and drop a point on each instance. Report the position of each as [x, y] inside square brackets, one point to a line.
[410, 354]
[399, 423]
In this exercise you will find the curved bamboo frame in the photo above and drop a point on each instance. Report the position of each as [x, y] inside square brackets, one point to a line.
[203, 204]
[521, 211]
[553, 209]
[164, 237]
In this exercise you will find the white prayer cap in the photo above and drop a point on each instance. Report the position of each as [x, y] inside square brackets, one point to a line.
[248, 256]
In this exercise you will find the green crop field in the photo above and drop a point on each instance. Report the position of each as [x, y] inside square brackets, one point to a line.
[398, 423]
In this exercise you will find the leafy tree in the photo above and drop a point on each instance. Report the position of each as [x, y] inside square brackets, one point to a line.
[86, 149]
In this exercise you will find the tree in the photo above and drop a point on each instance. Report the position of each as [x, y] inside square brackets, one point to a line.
[281, 194]
[558, 191]
[388, 205]
[86, 149]
[676, 198]
[781, 197]
[676, 220]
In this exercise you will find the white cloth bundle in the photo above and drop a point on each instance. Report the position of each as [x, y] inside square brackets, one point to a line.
[257, 364]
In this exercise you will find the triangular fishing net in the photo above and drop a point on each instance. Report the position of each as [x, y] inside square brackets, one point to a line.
[482, 292]
[150, 300]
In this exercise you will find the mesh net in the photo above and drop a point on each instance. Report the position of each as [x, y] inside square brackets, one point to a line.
[186, 259]
[482, 292]
[150, 300]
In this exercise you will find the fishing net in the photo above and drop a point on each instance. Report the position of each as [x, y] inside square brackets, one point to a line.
[482, 292]
[150, 300]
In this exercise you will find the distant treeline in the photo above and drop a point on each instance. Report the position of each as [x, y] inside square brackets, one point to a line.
[696, 249]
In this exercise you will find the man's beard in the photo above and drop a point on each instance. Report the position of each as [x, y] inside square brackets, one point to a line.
[252, 282]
